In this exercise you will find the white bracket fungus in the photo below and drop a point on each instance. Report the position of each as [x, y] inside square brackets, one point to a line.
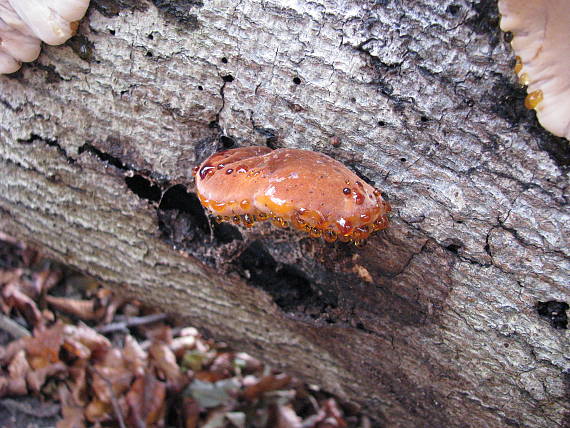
[541, 41]
[24, 24]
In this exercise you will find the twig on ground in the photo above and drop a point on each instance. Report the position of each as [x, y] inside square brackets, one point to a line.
[114, 401]
[12, 327]
[40, 410]
[130, 322]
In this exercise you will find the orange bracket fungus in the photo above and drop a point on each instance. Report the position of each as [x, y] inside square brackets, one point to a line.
[307, 190]
[541, 41]
[24, 24]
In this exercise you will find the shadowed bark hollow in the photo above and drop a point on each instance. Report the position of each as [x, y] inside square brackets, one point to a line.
[455, 316]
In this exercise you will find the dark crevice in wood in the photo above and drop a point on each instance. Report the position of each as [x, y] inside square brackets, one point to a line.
[111, 8]
[180, 12]
[105, 157]
[270, 134]
[48, 141]
[52, 76]
[554, 312]
[287, 285]
[143, 188]
[227, 142]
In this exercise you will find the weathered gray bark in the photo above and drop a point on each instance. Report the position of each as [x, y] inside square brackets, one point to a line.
[435, 322]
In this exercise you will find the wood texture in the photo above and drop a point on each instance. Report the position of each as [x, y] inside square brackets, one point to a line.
[435, 322]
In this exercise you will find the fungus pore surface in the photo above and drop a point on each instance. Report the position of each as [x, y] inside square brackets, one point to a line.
[24, 24]
[303, 189]
[541, 41]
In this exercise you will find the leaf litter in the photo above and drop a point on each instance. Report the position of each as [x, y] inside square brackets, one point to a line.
[73, 354]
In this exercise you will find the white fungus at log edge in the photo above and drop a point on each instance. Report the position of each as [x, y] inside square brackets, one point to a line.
[541, 41]
[24, 24]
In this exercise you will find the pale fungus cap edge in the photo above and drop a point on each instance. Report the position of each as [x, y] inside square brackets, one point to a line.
[541, 42]
[24, 24]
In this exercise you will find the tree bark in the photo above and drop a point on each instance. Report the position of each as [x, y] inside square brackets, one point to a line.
[454, 316]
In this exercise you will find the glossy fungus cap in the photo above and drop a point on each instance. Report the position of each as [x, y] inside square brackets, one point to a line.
[305, 189]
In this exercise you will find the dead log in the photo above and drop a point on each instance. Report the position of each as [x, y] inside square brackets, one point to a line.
[455, 316]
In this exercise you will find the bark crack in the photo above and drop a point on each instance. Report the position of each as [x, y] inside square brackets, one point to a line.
[48, 141]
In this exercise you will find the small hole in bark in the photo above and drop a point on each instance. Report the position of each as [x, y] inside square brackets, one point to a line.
[508, 37]
[388, 89]
[554, 312]
[149, 54]
[453, 9]
[228, 78]
[227, 142]
[150, 36]
[143, 188]
[352, 99]
[454, 248]
[424, 119]
[224, 60]
[381, 123]
[213, 124]
[403, 159]
[200, 88]
[296, 81]
[112, 32]
[270, 135]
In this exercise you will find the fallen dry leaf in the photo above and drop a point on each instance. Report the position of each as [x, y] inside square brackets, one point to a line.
[43, 348]
[78, 384]
[97, 411]
[333, 411]
[110, 377]
[146, 401]
[287, 418]
[265, 384]
[72, 412]
[135, 357]
[14, 297]
[190, 412]
[17, 371]
[82, 341]
[165, 361]
[37, 378]
[182, 344]
[223, 365]
[44, 281]
[83, 309]
[157, 333]
[8, 276]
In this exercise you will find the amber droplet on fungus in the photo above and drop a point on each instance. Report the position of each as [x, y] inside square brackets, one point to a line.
[518, 64]
[533, 99]
[540, 39]
[292, 187]
[524, 79]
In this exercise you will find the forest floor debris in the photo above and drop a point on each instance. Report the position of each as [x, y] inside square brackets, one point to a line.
[74, 354]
